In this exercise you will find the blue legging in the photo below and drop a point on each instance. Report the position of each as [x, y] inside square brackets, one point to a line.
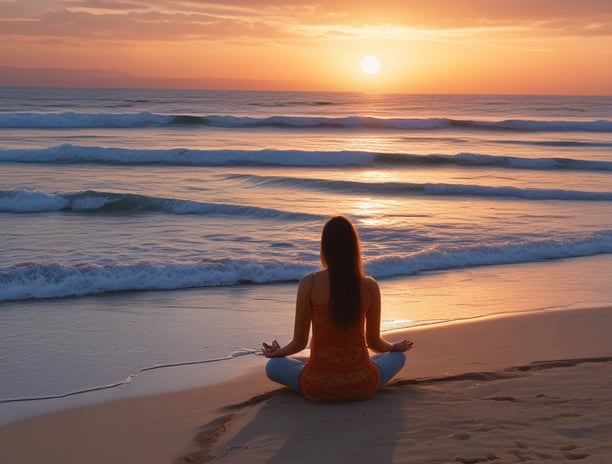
[287, 371]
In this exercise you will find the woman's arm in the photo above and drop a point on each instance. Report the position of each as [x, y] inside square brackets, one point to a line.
[373, 338]
[301, 329]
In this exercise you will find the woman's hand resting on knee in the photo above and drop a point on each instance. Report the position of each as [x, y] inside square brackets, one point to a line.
[270, 351]
[403, 345]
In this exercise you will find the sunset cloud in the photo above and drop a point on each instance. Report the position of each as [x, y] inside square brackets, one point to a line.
[105, 33]
[262, 20]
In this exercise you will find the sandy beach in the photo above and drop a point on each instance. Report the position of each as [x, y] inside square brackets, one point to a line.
[523, 387]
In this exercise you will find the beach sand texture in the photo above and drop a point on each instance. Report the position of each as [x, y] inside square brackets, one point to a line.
[522, 388]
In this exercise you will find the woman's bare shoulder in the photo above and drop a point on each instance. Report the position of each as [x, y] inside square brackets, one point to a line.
[371, 285]
[314, 274]
[370, 282]
[317, 283]
[313, 278]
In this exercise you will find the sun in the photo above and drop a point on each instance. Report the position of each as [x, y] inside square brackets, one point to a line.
[370, 64]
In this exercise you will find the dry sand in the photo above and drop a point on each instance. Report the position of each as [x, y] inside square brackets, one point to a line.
[521, 388]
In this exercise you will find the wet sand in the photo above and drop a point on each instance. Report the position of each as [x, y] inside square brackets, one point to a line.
[531, 386]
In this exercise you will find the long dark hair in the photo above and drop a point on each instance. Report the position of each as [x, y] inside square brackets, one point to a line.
[342, 258]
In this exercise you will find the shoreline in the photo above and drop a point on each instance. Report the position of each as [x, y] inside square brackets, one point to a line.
[151, 382]
[189, 376]
[191, 324]
[161, 427]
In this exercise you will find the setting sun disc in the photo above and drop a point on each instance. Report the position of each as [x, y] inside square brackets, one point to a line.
[370, 64]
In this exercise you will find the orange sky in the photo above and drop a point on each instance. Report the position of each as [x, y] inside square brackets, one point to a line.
[425, 46]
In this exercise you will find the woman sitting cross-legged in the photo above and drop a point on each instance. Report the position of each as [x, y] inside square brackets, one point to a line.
[343, 306]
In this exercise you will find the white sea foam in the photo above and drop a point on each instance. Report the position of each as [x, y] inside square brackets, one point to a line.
[58, 281]
[441, 258]
[20, 201]
[34, 280]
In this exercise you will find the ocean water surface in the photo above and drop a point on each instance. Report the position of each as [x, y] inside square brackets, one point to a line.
[143, 229]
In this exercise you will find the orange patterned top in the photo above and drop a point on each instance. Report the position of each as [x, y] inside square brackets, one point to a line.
[339, 367]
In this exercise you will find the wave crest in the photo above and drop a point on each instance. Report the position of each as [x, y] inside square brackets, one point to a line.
[22, 201]
[38, 280]
[432, 189]
[73, 120]
[77, 154]
[68, 153]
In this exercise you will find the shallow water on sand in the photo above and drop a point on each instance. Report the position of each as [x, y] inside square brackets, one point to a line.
[133, 339]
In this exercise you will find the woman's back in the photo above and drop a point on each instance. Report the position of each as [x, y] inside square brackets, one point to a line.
[339, 367]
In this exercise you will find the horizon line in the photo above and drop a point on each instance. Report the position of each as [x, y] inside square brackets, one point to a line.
[17, 77]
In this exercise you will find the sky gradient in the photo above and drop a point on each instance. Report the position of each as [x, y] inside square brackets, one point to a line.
[424, 46]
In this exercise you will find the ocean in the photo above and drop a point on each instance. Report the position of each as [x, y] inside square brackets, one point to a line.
[143, 230]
